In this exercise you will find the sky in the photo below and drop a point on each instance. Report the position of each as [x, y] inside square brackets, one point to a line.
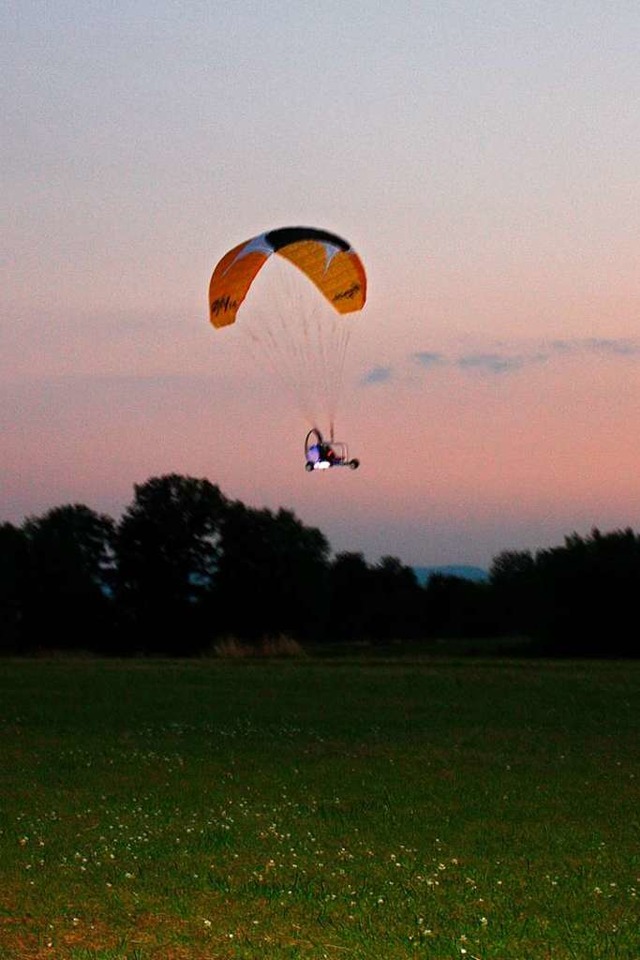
[482, 158]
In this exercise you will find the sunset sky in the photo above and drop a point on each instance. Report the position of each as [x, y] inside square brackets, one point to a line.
[483, 158]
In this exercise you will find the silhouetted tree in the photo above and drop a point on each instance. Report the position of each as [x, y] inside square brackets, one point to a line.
[272, 573]
[14, 566]
[376, 603]
[395, 601]
[69, 579]
[457, 607]
[513, 579]
[350, 597]
[168, 549]
[588, 595]
[185, 565]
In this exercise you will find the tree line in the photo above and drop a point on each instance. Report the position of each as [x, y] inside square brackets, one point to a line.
[186, 566]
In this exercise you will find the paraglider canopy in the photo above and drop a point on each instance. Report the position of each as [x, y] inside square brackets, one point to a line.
[326, 259]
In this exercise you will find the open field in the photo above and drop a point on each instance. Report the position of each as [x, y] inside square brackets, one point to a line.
[319, 809]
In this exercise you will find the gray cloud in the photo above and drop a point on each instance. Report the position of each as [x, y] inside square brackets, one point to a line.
[500, 360]
[621, 347]
[624, 348]
[377, 375]
[498, 363]
[426, 359]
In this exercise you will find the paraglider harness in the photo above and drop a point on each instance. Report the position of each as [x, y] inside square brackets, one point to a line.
[322, 455]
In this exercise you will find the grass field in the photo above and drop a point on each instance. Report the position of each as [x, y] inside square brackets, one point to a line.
[319, 809]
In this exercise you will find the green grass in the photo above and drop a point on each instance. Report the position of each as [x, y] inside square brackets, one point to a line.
[319, 809]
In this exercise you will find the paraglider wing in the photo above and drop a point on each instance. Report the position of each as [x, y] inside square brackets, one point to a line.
[326, 259]
[232, 278]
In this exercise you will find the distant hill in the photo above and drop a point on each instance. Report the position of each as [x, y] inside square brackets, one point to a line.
[465, 572]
